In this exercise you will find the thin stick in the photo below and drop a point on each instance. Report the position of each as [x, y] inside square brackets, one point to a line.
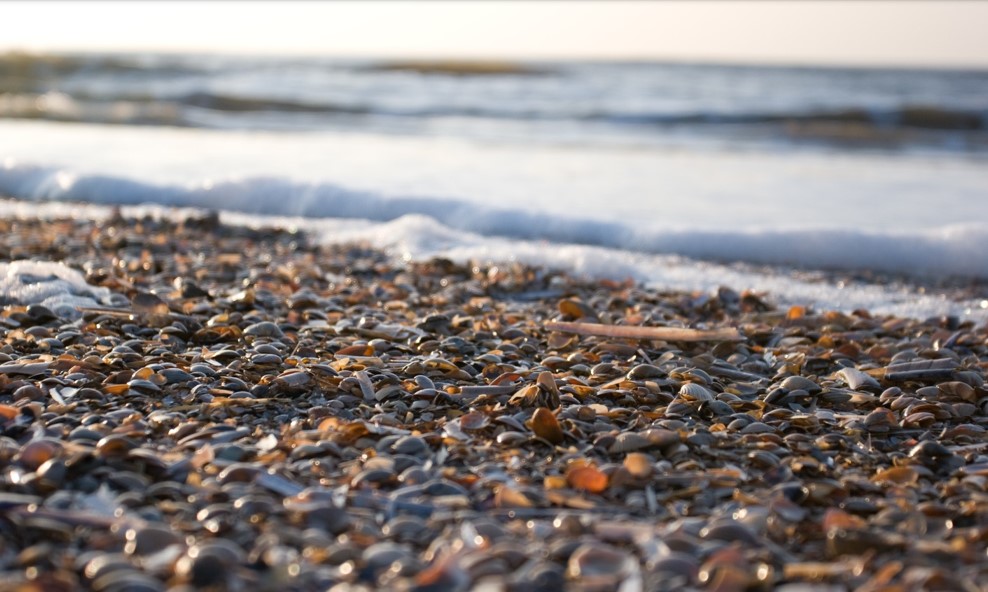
[119, 312]
[476, 391]
[653, 333]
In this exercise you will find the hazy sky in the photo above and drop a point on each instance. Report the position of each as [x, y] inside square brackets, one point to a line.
[890, 32]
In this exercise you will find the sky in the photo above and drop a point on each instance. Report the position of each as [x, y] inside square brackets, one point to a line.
[853, 32]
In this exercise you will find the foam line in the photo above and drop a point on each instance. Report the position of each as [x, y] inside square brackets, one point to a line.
[954, 250]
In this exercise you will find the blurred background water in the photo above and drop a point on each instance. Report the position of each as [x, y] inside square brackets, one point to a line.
[683, 175]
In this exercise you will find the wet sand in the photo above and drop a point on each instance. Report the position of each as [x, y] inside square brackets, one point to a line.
[270, 414]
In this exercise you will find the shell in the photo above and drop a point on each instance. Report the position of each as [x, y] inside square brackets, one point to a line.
[856, 379]
[692, 391]
[545, 425]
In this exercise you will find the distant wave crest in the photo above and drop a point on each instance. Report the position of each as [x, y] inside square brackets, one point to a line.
[181, 111]
[590, 103]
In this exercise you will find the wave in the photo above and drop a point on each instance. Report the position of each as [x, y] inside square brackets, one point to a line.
[60, 107]
[949, 251]
[168, 110]
[243, 104]
[909, 116]
[461, 68]
[26, 64]
[626, 104]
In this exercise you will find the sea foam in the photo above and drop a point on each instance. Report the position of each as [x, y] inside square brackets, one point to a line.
[419, 237]
[54, 285]
[959, 250]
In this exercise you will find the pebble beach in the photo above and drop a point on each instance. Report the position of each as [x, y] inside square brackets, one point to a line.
[244, 409]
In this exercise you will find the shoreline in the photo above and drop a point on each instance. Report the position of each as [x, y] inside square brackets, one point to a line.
[273, 413]
[952, 290]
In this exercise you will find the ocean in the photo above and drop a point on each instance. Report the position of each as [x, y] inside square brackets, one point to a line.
[833, 188]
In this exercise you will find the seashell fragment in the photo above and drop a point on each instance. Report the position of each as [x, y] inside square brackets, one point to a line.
[545, 425]
[897, 475]
[638, 464]
[958, 390]
[692, 391]
[857, 380]
[474, 420]
[628, 442]
[576, 309]
[793, 383]
[264, 329]
[921, 370]
[599, 566]
[588, 478]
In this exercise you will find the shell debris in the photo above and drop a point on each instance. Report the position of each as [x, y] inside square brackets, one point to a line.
[272, 413]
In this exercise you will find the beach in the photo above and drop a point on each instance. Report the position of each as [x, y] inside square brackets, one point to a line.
[190, 404]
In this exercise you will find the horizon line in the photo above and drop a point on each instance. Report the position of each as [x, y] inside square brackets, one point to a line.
[482, 58]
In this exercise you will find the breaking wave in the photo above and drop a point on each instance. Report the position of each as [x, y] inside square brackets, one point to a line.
[946, 251]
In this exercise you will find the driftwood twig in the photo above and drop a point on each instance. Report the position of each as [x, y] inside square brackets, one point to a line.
[655, 333]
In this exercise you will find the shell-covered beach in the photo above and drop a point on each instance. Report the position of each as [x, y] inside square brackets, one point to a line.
[226, 408]
[541, 296]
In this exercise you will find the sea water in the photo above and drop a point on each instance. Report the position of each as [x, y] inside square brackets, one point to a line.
[680, 176]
